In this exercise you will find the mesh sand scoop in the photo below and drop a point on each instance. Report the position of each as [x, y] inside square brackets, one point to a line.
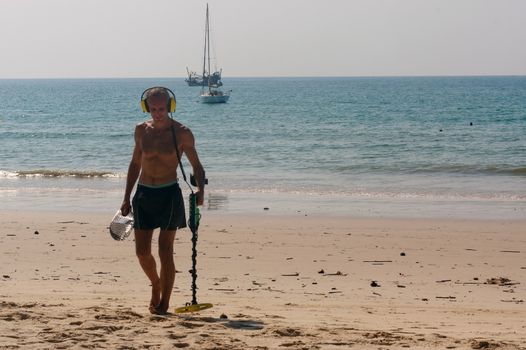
[121, 226]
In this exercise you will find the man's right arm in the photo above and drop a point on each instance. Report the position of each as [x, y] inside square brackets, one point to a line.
[134, 170]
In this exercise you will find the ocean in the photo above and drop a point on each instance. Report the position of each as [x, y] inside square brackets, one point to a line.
[404, 147]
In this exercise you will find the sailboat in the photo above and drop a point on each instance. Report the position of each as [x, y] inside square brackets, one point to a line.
[209, 92]
[195, 79]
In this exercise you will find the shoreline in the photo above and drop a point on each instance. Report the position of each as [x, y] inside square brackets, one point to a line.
[107, 200]
[282, 281]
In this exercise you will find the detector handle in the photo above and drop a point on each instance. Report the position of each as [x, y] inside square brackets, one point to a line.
[194, 213]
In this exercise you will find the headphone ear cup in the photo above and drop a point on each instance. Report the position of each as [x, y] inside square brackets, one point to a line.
[173, 105]
[144, 106]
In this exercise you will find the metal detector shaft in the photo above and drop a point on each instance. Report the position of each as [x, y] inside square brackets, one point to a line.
[193, 223]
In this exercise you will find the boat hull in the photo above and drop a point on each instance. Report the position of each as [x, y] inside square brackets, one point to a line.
[214, 98]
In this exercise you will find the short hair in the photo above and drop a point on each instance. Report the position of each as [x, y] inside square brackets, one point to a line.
[158, 92]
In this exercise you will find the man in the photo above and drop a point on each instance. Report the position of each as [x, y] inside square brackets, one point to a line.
[158, 202]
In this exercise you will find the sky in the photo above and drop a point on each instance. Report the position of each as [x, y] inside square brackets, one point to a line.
[262, 38]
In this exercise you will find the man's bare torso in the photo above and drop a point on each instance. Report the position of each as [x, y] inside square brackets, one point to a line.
[158, 158]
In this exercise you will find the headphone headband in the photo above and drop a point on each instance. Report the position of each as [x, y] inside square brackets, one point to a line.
[171, 104]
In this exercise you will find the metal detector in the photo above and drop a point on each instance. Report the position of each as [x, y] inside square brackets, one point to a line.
[193, 224]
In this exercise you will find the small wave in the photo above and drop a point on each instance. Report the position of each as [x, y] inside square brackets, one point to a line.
[519, 171]
[59, 173]
[489, 170]
[4, 173]
[437, 169]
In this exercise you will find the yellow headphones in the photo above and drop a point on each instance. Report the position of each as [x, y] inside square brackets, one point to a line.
[172, 103]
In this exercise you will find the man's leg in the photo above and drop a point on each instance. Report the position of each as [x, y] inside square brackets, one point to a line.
[143, 249]
[166, 255]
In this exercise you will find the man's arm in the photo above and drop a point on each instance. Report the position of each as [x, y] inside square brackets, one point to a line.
[199, 172]
[133, 172]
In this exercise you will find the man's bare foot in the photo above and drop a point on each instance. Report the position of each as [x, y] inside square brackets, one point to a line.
[156, 297]
[162, 309]
[159, 311]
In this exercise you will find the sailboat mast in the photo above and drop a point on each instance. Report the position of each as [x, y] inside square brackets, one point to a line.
[208, 46]
[204, 52]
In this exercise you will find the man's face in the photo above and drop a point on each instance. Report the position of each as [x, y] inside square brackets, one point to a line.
[158, 107]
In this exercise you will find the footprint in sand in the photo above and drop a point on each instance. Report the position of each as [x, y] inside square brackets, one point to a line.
[483, 344]
[287, 332]
[119, 315]
[176, 336]
[15, 316]
[207, 319]
[190, 324]
[294, 343]
[106, 328]
[160, 318]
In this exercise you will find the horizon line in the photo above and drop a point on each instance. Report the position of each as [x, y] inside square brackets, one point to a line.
[281, 76]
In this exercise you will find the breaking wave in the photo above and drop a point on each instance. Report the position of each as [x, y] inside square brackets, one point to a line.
[60, 173]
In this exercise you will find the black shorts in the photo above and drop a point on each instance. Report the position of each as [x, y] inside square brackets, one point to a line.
[158, 208]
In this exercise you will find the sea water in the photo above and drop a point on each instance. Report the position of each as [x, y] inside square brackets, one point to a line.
[408, 146]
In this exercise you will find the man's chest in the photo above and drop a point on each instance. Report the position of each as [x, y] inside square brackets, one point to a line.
[157, 143]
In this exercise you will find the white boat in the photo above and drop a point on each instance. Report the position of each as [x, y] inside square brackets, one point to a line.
[209, 94]
[214, 96]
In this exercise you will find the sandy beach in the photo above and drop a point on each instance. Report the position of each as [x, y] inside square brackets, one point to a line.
[276, 282]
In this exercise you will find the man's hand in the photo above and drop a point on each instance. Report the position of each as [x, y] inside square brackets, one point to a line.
[125, 207]
[200, 197]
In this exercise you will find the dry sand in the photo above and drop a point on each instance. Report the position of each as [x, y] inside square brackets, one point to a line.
[276, 282]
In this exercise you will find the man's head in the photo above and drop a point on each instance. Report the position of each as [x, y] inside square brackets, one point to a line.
[158, 100]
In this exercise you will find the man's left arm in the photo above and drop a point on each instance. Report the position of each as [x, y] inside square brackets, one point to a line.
[199, 172]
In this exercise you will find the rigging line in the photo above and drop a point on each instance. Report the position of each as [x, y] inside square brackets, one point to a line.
[212, 46]
[208, 40]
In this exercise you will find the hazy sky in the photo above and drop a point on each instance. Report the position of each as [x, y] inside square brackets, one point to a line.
[160, 38]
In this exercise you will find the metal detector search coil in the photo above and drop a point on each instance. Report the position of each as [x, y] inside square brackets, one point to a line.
[193, 308]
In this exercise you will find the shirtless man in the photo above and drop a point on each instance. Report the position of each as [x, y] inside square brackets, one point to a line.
[158, 202]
